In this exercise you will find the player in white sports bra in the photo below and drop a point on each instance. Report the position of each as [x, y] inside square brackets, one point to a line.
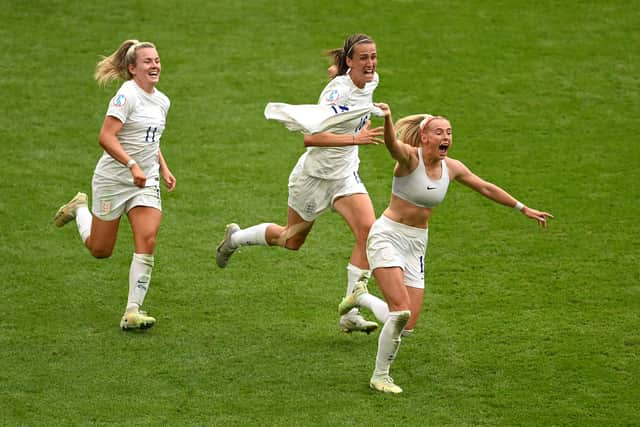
[398, 239]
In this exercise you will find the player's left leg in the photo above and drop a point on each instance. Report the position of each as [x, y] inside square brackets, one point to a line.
[416, 298]
[357, 210]
[390, 280]
[145, 223]
[291, 236]
[388, 345]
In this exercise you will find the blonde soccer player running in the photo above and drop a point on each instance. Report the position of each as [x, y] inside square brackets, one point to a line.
[397, 243]
[126, 179]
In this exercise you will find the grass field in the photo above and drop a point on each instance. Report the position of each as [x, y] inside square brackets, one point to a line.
[522, 326]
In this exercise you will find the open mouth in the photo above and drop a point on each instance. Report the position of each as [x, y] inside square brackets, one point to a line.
[443, 148]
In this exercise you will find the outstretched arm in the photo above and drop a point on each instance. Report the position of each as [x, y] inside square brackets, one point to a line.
[329, 139]
[399, 151]
[461, 173]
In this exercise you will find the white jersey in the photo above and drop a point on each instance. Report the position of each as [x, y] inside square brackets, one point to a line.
[314, 118]
[339, 162]
[143, 116]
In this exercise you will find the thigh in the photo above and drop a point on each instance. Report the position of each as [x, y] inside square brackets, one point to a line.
[390, 281]
[145, 224]
[103, 236]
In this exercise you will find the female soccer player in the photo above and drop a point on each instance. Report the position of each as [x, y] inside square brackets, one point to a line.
[326, 175]
[397, 242]
[126, 178]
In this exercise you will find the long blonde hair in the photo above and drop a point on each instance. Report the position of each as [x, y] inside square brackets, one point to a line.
[116, 65]
[409, 129]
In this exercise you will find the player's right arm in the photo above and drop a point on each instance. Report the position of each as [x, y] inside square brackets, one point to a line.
[108, 140]
[329, 139]
[336, 93]
[402, 153]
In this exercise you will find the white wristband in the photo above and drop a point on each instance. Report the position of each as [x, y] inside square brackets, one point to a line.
[131, 162]
[519, 206]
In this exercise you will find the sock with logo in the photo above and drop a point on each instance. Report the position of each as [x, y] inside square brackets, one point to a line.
[251, 236]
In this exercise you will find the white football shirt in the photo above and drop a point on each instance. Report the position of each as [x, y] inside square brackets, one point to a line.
[143, 116]
[339, 162]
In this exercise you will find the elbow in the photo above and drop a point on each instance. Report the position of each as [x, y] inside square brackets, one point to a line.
[102, 140]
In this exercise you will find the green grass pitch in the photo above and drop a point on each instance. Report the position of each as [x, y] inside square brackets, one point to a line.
[522, 326]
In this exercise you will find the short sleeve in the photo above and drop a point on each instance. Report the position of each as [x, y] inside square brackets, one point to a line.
[334, 93]
[122, 104]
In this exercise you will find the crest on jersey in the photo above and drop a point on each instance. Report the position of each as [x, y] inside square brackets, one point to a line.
[119, 101]
[332, 96]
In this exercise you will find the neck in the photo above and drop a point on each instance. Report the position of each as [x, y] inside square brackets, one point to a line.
[429, 160]
[148, 87]
[358, 84]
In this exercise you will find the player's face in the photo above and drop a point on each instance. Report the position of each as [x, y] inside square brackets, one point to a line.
[146, 71]
[363, 63]
[437, 137]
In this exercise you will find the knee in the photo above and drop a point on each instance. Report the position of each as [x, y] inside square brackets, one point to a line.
[101, 252]
[150, 243]
[362, 233]
[146, 244]
[294, 244]
[290, 239]
[99, 249]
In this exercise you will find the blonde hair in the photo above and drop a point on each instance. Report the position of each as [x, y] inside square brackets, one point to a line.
[116, 65]
[409, 129]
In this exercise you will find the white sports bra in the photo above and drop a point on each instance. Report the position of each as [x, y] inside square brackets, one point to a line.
[418, 189]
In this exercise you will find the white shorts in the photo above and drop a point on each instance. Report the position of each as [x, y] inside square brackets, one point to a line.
[110, 201]
[310, 196]
[391, 244]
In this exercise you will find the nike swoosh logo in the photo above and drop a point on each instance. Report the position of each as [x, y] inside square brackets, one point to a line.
[431, 188]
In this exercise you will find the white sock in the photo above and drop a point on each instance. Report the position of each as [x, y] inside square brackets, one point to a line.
[389, 341]
[139, 279]
[252, 236]
[379, 308]
[83, 222]
[353, 275]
